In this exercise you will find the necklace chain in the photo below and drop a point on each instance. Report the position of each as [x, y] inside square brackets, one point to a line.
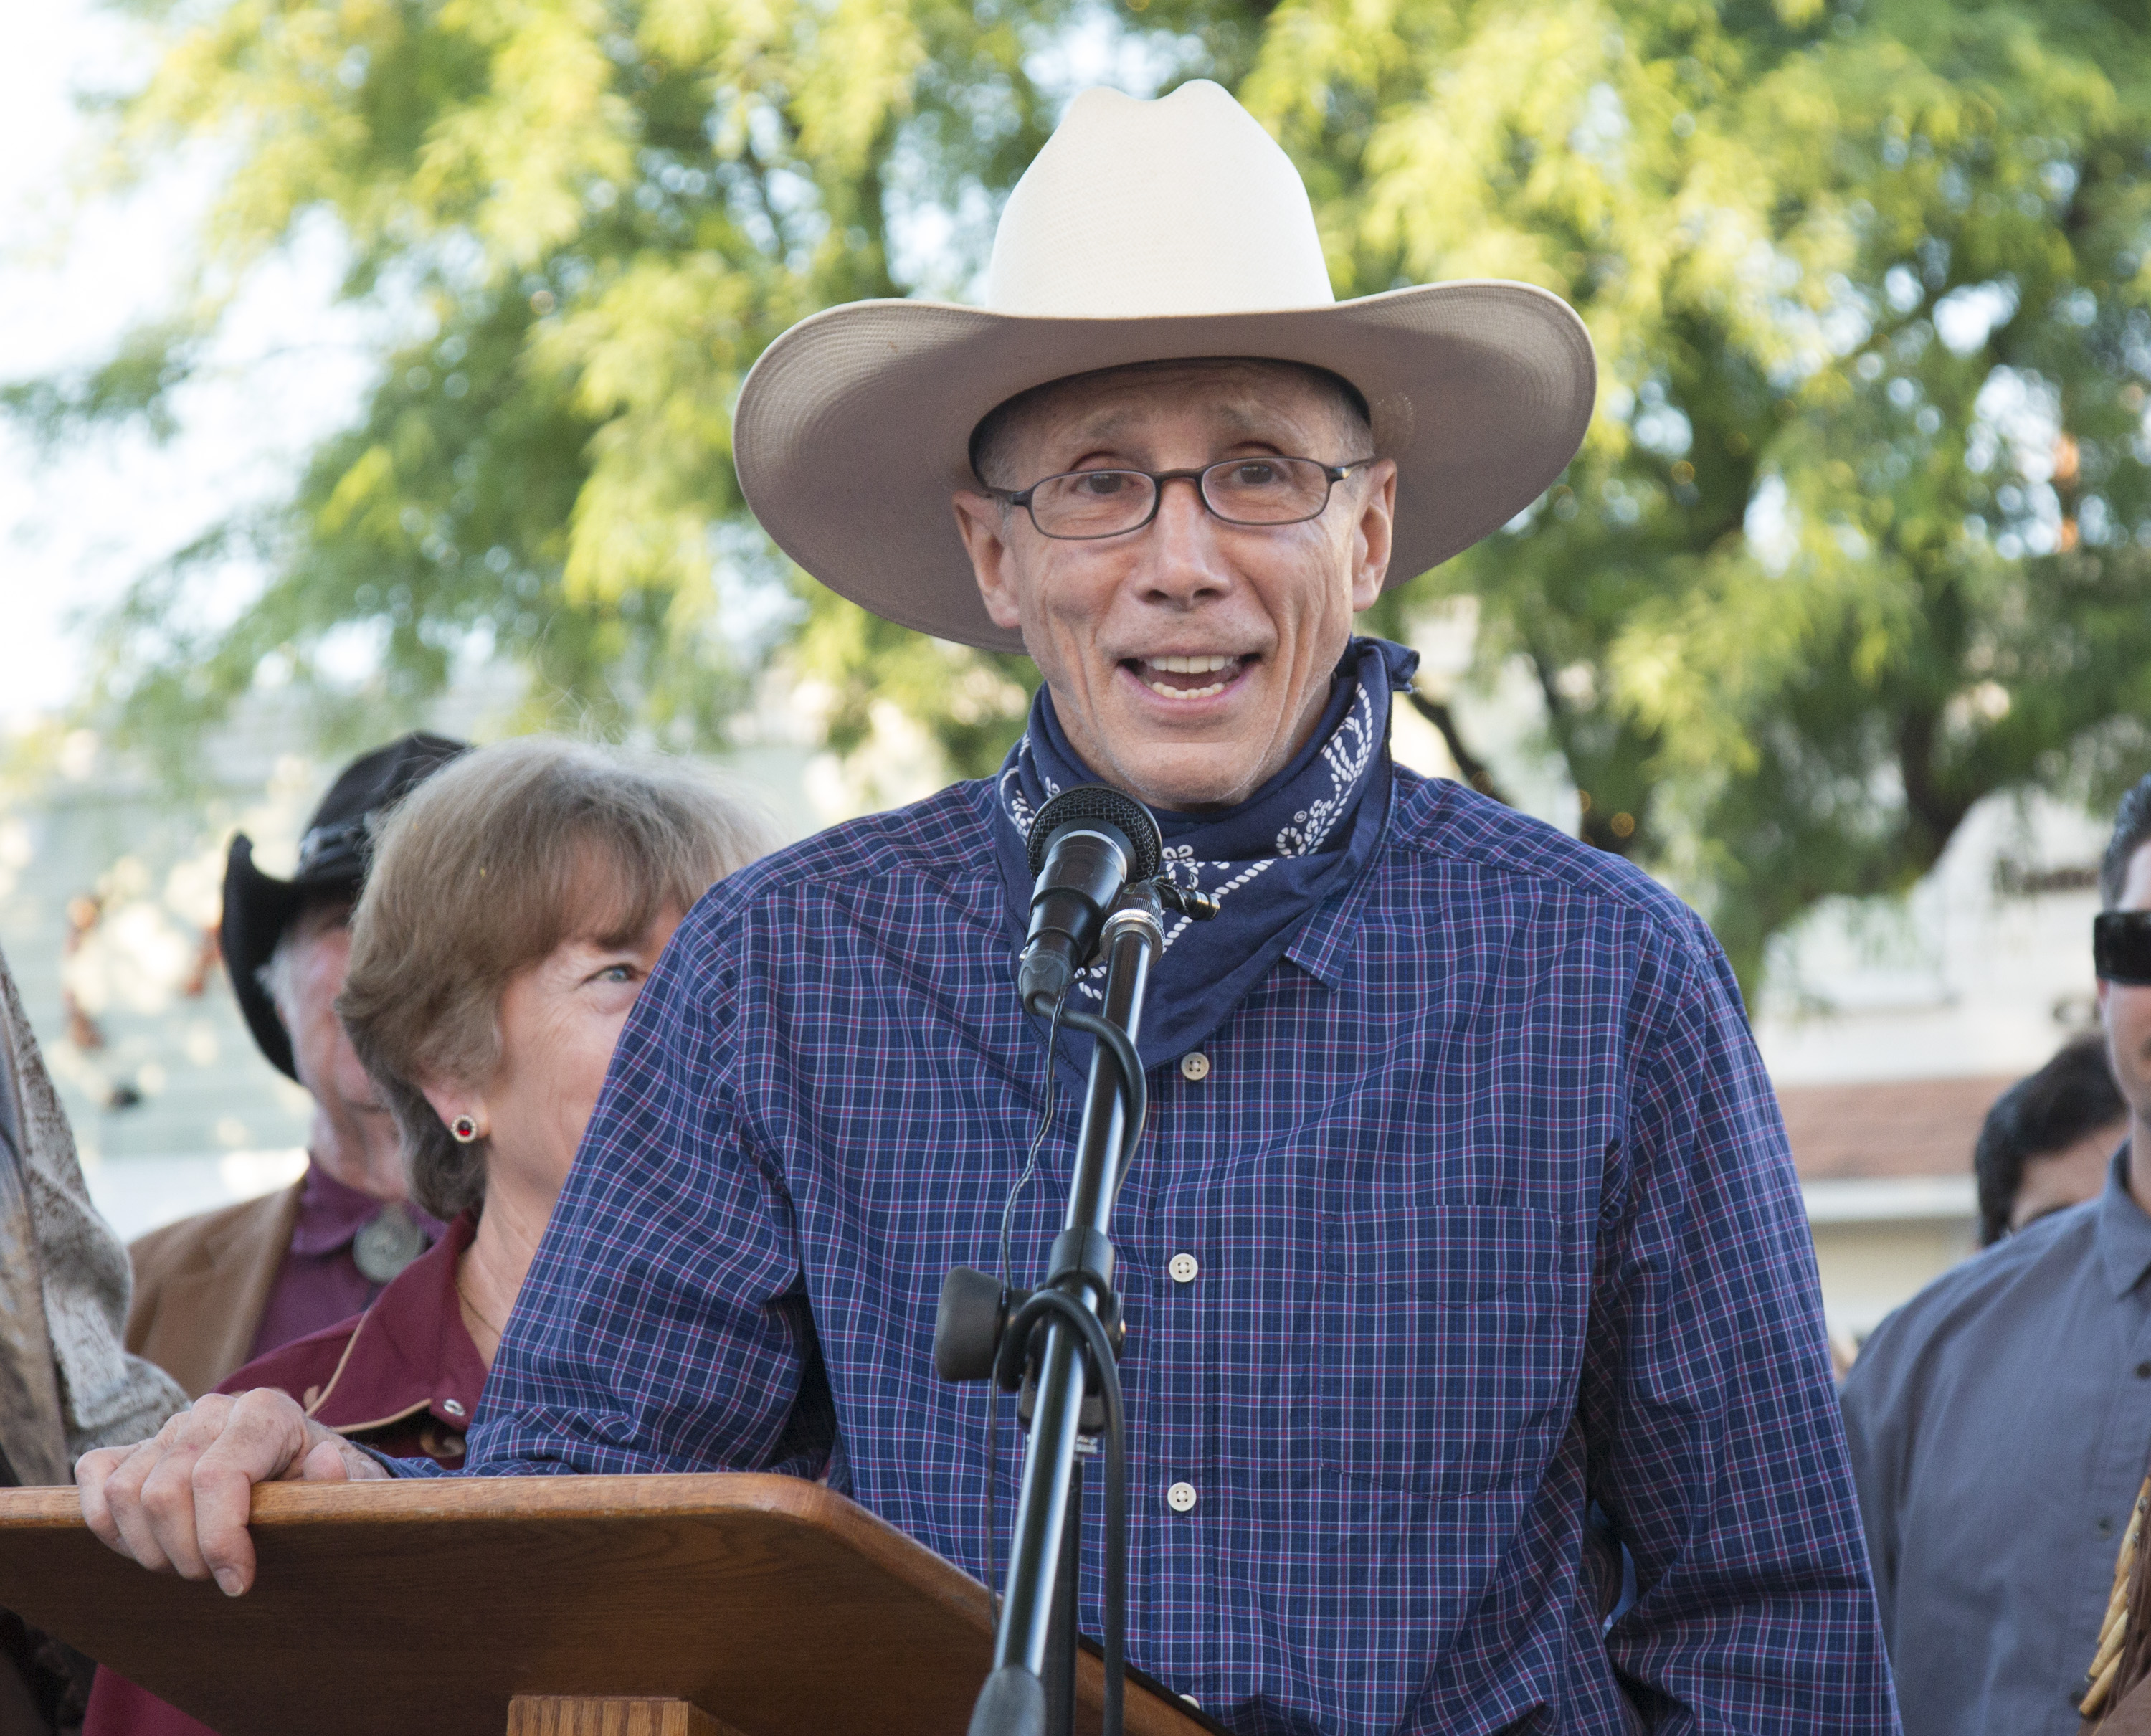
[482, 1320]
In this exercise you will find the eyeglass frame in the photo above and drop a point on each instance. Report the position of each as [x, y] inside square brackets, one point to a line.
[1334, 474]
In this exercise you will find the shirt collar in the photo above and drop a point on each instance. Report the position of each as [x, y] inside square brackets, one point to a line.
[330, 1213]
[411, 1351]
[2123, 1232]
[1324, 945]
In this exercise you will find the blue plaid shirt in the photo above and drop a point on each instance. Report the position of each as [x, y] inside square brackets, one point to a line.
[1490, 1219]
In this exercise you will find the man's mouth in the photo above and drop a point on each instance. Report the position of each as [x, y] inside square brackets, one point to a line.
[1193, 675]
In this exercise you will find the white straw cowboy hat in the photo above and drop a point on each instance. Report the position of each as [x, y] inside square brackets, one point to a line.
[1144, 231]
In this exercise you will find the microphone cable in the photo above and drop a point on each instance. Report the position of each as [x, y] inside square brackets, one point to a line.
[1097, 1351]
[1135, 1089]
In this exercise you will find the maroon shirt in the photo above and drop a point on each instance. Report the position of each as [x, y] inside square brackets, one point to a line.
[403, 1377]
[319, 1285]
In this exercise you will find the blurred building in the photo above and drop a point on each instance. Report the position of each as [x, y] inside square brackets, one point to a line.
[108, 901]
[1890, 1028]
[1886, 1172]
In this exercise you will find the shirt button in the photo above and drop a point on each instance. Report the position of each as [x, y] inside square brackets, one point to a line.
[1195, 1066]
[1183, 1268]
[2144, 1371]
[2106, 1527]
[453, 1406]
[1180, 1497]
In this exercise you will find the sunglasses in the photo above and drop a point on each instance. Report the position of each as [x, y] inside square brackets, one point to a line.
[2121, 946]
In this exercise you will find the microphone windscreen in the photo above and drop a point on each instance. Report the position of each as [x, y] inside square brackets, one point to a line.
[1098, 803]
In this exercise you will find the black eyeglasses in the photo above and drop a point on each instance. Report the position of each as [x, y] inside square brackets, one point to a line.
[1078, 505]
[2121, 947]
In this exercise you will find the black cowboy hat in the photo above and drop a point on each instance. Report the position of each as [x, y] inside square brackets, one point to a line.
[332, 859]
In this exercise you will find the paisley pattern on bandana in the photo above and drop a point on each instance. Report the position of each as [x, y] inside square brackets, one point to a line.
[1269, 862]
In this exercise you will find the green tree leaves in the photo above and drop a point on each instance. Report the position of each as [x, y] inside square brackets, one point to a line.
[1858, 537]
[1867, 286]
[587, 220]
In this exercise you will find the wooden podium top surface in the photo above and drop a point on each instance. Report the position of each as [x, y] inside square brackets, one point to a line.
[771, 1603]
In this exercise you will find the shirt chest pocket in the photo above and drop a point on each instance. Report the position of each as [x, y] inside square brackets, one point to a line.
[1442, 1346]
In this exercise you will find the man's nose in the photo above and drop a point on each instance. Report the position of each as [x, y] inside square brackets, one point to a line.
[1184, 562]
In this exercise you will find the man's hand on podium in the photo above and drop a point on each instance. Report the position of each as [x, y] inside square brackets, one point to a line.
[179, 1503]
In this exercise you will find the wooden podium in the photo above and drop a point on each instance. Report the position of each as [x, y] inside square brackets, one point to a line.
[672, 1605]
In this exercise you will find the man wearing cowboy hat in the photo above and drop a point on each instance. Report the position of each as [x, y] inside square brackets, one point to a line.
[1464, 1208]
[214, 1291]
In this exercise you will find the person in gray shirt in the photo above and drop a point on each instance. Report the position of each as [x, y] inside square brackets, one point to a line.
[2000, 1422]
[2047, 1141]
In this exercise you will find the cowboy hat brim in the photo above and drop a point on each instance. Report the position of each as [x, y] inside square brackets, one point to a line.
[855, 428]
[257, 909]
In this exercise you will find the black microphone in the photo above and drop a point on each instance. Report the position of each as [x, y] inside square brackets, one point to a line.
[1085, 844]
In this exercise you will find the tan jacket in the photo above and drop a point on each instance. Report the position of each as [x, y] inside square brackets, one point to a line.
[201, 1286]
[2131, 1717]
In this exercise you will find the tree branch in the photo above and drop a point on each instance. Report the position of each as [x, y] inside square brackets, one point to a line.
[1602, 828]
[1476, 770]
[1935, 813]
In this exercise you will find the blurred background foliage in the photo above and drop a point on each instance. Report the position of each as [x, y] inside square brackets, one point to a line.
[1861, 535]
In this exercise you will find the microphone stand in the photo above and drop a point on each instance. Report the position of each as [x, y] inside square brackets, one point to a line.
[1037, 1614]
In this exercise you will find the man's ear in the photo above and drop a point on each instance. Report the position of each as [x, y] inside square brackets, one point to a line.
[983, 522]
[1373, 532]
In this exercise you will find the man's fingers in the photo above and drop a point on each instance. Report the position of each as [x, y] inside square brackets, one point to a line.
[160, 1522]
[152, 1494]
[182, 1502]
[361, 1466]
[325, 1463]
[262, 1440]
[123, 1494]
[91, 1472]
[222, 1496]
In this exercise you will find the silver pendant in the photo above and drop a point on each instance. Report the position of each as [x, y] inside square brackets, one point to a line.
[386, 1244]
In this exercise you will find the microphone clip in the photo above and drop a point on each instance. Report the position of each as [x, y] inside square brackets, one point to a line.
[1195, 906]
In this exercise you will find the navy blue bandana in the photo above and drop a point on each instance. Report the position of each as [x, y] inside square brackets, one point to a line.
[1305, 834]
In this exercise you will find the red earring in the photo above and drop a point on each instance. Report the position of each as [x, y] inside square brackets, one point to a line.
[464, 1129]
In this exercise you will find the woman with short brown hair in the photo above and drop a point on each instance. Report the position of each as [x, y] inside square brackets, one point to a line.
[516, 902]
[531, 845]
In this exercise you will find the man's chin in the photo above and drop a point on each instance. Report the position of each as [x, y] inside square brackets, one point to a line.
[1186, 781]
